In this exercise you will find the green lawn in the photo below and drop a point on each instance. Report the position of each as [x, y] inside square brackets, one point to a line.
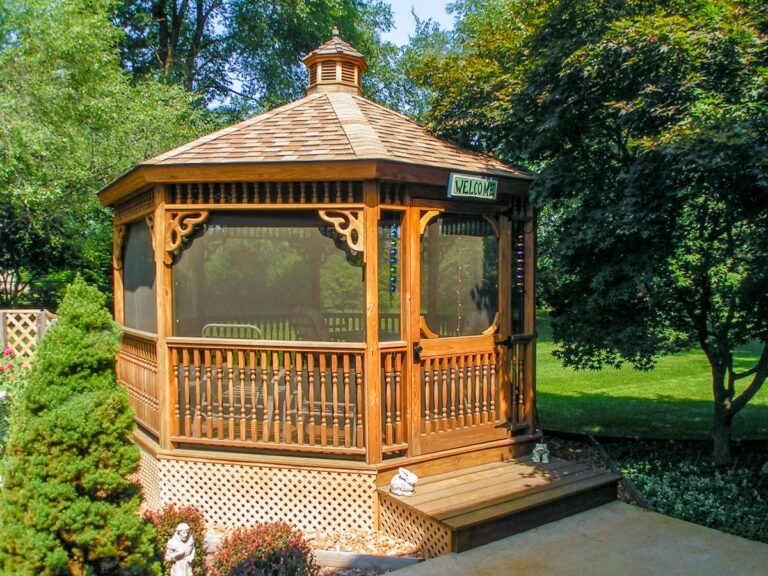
[672, 401]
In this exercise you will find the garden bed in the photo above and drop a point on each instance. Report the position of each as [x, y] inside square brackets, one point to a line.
[678, 479]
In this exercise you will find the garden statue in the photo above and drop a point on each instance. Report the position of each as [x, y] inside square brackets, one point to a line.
[402, 484]
[180, 550]
[540, 453]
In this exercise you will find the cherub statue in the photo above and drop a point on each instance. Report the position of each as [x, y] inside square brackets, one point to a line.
[181, 551]
[402, 484]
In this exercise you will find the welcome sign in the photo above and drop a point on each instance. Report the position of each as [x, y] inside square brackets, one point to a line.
[472, 187]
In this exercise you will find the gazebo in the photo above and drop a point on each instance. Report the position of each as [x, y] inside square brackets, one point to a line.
[315, 297]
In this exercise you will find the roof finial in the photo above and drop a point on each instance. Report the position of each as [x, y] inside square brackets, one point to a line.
[335, 31]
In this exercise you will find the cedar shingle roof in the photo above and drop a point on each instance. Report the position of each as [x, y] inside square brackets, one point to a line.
[330, 126]
[334, 46]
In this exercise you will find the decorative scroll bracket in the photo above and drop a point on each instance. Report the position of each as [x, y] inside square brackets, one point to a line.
[180, 224]
[150, 220]
[425, 218]
[349, 224]
[118, 237]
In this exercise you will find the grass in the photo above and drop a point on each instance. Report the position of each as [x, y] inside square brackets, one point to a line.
[672, 401]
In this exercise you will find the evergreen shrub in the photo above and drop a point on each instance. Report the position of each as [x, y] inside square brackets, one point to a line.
[271, 549]
[165, 521]
[67, 505]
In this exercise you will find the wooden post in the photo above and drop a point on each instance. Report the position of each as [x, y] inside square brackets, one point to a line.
[372, 362]
[411, 280]
[40, 325]
[529, 323]
[504, 379]
[117, 283]
[167, 386]
[3, 332]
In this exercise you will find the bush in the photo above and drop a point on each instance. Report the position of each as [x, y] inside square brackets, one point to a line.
[273, 549]
[165, 522]
[67, 504]
[679, 479]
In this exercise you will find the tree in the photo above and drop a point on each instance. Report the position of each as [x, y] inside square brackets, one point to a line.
[67, 506]
[71, 123]
[246, 53]
[648, 123]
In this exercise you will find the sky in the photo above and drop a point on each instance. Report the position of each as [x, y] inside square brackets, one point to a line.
[404, 23]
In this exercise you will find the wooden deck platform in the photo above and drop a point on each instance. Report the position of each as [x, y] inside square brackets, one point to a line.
[462, 509]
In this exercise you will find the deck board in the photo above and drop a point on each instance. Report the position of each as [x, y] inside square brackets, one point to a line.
[478, 504]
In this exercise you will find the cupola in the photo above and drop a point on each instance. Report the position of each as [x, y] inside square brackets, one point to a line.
[335, 67]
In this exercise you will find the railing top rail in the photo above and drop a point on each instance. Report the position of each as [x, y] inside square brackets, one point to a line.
[139, 334]
[288, 345]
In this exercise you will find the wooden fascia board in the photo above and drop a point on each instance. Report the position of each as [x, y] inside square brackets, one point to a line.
[143, 175]
[437, 176]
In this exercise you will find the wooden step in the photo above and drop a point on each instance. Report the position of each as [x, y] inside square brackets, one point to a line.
[478, 505]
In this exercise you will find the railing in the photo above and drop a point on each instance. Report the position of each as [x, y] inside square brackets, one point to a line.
[22, 330]
[459, 391]
[521, 352]
[137, 372]
[393, 380]
[256, 394]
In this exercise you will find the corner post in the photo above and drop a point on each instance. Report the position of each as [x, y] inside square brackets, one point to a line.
[529, 323]
[372, 362]
[164, 321]
[504, 375]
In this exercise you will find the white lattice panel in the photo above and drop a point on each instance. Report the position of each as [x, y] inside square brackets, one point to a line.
[432, 538]
[149, 478]
[240, 494]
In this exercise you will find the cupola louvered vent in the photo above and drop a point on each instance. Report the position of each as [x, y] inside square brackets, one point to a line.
[328, 73]
[335, 67]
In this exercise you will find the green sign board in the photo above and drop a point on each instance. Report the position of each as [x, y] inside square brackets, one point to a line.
[472, 187]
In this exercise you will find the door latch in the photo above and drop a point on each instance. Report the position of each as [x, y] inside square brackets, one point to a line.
[417, 349]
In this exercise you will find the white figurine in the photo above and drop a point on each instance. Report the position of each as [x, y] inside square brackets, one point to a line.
[540, 453]
[402, 484]
[181, 551]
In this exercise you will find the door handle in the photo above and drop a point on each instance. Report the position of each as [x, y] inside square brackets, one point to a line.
[417, 349]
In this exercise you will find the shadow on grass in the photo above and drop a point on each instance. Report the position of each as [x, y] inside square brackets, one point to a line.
[627, 417]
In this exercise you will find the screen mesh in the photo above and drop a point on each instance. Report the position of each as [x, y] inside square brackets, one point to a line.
[276, 276]
[459, 275]
[139, 292]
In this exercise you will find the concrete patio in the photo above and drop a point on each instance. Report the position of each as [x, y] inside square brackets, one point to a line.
[614, 539]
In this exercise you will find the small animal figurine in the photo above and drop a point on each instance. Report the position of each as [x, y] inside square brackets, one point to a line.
[540, 453]
[402, 484]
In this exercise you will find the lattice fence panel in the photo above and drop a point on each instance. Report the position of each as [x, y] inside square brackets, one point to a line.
[240, 495]
[22, 330]
[148, 476]
[432, 538]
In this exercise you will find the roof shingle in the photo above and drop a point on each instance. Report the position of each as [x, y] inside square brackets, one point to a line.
[330, 126]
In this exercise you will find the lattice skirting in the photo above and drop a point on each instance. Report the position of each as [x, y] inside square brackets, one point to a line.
[149, 478]
[432, 537]
[242, 494]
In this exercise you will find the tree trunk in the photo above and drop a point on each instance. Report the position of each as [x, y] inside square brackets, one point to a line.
[721, 435]
[723, 412]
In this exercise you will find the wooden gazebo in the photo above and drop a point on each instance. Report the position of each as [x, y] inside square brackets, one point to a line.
[315, 297]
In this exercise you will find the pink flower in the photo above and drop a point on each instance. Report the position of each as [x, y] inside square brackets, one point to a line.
[8, 351]
[9, 366]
